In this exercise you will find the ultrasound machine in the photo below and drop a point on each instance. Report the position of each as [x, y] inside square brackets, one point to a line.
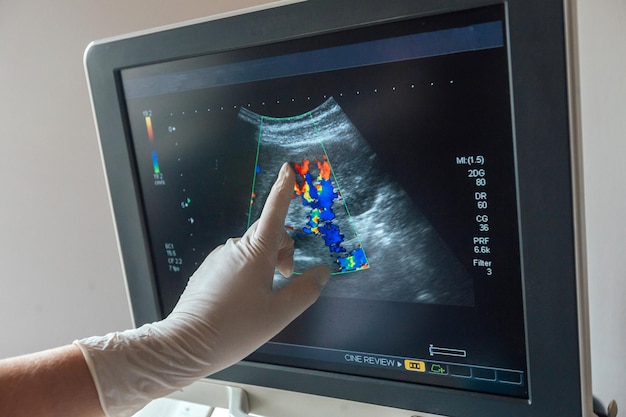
[437, 154]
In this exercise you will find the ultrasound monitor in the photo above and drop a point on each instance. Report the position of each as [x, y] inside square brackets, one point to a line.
[435, 150]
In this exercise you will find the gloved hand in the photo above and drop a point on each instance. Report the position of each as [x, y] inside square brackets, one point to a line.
[226, 312]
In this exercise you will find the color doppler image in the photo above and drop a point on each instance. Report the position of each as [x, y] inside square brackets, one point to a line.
[349, 214]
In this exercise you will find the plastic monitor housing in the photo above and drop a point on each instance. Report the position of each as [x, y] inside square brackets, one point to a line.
[535, 199]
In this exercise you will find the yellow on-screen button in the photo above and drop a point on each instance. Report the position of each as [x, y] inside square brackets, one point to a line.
[417, 366]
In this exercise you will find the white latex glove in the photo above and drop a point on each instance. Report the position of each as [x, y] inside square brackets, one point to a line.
[226, 312]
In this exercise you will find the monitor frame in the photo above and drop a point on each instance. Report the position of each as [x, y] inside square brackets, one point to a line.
[542, 54]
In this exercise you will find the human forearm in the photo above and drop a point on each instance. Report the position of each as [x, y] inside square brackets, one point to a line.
[228, 309]
[51, 383]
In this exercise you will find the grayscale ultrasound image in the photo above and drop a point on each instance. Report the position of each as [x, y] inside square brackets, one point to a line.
[404, 257]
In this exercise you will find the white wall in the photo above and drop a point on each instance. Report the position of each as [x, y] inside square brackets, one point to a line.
[603, 90]
[60, 275]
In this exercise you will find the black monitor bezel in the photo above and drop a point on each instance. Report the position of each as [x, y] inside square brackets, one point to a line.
[539, 81]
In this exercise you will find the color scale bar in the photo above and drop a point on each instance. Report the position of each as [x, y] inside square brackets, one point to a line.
[149, 129]
[155, 162]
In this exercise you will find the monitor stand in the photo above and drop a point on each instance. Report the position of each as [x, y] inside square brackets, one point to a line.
[237, 402]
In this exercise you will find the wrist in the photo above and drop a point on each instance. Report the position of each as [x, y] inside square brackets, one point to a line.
[133, 367]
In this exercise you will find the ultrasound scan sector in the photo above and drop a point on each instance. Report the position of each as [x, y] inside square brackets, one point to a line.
[350, 215]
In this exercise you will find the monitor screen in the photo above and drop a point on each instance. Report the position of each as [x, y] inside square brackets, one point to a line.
[401, 137]
[410, 186]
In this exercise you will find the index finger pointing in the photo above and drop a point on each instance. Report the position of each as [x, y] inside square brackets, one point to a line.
[272, 221]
